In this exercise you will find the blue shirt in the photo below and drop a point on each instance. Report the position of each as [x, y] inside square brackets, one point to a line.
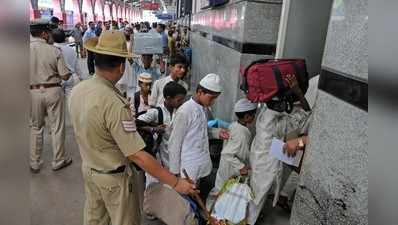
[165, 40]
[138, 68]
[90, 33]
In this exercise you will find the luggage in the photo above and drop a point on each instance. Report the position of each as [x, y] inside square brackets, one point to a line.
[265, 81]
[147, 43]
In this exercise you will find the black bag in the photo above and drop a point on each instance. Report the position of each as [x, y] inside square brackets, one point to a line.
[150, 142]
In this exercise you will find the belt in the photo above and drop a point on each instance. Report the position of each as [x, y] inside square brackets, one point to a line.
[38, 86]
[120, 169]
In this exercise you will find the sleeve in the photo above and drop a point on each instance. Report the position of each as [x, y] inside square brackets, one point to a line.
[154, 94]
[151, 116]
[61, 65]
[121, 125]
[179, 129]
[289, 122]
[78, 70]
[229, 153]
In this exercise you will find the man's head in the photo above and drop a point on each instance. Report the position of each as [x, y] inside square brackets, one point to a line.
[160, 28]
[78, 25]
[170, 33]
[145, 82]
[91, 24]
[208, 90]
[58, 35]
[174, 94]
[147, 60]
[245, 111]
[178, 67]
[41, 28]
[110, 54]
[99, 24]
[107, 25]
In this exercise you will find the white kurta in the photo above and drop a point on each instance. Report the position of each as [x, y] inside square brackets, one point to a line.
[157, 90]
[267, 169]
[189, 141]
[234, 155]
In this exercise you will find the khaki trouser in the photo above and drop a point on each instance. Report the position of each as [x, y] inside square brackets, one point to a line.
[47, 102]
[167, 205]
[110, 199]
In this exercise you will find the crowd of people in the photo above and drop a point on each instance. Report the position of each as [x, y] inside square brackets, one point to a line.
[139, 134]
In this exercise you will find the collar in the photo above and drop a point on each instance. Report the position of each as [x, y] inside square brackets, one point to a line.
[60, 44]
[110, 85]
[36, 39]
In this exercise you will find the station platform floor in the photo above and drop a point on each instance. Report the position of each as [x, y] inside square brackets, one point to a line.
[57, 198]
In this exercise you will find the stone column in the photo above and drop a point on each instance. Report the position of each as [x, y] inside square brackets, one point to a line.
[333, 187]
[227, 39]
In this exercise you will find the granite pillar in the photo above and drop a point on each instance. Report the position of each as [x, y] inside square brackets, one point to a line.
[226, 39]
[333, 187]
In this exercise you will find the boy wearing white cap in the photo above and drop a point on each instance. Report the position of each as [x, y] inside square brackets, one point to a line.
[141, 97]
[188, 142]
[235, 154]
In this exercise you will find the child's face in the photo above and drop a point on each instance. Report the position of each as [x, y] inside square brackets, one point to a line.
[206, 99]
[176, 101]
[249, 118]
[145, 87]
[178, 70]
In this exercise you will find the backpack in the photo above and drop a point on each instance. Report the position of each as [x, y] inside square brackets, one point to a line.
[150, 143]
[266, 78]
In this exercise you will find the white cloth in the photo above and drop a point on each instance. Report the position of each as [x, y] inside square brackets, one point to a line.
[157, 90]
[189, 142]
[232, 204]
[72, 63]
[266, 169]
[142, 107]
[234, 155]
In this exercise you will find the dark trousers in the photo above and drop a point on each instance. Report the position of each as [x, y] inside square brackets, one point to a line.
[90, 62]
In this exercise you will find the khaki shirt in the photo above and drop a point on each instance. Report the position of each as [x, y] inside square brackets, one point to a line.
[103, 124]
[46, 63]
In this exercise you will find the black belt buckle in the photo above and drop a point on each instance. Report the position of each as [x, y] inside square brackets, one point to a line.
[120, 169]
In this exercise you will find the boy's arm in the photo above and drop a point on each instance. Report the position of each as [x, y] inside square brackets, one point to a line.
[218, 133]
[179, 130]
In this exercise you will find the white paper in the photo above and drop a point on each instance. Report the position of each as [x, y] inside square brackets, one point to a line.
[277, 152]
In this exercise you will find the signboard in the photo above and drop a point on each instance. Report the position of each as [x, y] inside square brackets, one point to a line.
[146, 5]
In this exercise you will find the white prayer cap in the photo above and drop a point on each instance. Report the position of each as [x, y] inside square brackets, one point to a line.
[212, 82]
[244, 105]
[145, 78]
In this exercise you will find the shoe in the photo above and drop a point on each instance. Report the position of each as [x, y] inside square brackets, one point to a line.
[34, 170]
[66, 163]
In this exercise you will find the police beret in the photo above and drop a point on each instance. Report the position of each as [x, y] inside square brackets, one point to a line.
[43, 24]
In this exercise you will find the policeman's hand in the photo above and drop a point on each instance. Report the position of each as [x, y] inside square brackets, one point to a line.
[185, 187]
[224, 134]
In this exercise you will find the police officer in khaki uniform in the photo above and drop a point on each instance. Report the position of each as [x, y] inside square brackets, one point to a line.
[47, 69]
[106, 134]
